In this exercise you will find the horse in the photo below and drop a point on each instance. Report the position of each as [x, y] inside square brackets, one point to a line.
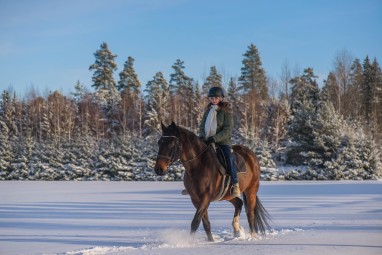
[202, 179]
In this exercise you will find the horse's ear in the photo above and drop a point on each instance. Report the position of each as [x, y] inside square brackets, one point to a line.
[162, 126]
[174, 127]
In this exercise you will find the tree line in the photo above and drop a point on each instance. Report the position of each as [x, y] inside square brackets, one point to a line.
[299, 118]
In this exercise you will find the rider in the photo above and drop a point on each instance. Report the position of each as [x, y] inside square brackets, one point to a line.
[216, 127]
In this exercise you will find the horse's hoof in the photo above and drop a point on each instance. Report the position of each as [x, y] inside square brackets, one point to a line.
[236, 233]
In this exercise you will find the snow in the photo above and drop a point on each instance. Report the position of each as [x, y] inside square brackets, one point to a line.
[91, 218]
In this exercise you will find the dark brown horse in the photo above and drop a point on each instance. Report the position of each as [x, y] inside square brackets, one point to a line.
[203, 180]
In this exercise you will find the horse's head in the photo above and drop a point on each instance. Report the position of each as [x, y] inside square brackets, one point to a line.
[169, 148]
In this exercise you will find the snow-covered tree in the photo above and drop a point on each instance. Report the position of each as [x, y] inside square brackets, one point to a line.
[157, 98]
[104, 83]
[254, 90]
[179, 82]
[6, 154]
[304, 103]
[130, 88]
[253, 77]
[214, 79]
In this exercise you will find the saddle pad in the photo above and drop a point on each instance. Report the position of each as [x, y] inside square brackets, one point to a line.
[239, 162]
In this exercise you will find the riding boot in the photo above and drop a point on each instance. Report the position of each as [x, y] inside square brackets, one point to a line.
[236, 190]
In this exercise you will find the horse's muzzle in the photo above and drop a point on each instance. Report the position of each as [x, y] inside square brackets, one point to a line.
[160, 168]
[159, 171]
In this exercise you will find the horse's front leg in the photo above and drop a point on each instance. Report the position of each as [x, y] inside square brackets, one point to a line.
[201, 213]
[207, 226]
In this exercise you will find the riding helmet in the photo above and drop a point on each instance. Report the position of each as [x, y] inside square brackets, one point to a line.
[216, 92]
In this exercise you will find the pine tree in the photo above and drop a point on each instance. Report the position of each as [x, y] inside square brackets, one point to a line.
[104, 68]
[253, 77]
[105, 85]
[333, 91]
[367, 90]
[128, 79]
[376, 103]
[214, 79]
[253, 86]
[130, 88]
[157, 98]
[80, 92]
[235, 98]
[355, 92]
[8, 110]
[198, 109]
[304, 103]
[179, 82]
[6, 154]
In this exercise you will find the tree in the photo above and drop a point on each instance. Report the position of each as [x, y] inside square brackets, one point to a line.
[104, 83]
[104, 68]
[235, 98]
[130, 88]
[333, 91]
[376, 103]
[355, 92]
[214, 79]
[285, 78]
[253, 86]
[367, 90]
[304, 103]
[342, 73]
[253, 77]
[157, 98]
[179, 82]
[82, 98]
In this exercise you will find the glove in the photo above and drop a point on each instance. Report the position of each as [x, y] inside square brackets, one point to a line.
[209, 140]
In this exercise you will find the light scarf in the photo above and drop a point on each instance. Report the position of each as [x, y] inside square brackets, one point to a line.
[211, 123]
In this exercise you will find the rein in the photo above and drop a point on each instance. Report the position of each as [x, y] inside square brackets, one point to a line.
[178, 150]
[197, 156]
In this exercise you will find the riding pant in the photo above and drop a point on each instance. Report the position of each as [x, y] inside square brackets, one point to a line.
[231, 168]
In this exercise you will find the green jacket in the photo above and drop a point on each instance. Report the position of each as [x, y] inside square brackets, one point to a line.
[224, 120]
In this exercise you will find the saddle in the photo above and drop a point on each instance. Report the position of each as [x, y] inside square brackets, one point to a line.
[238, 161]
[240, 165]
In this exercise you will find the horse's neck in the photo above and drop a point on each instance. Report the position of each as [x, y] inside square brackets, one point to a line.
[191, 149]
[195, 155]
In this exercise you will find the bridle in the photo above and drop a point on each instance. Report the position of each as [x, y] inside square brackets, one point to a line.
[176, 152]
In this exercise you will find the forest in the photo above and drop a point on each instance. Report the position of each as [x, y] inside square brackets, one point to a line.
[110, 132]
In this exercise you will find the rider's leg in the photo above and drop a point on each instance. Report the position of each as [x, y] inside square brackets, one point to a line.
[231, 168]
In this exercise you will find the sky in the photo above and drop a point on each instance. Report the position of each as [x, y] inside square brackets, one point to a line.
[48, 45]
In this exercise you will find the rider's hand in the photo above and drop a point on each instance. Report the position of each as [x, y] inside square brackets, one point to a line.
[209, 140]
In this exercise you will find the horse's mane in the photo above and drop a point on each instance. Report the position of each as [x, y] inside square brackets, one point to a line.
[187, 131]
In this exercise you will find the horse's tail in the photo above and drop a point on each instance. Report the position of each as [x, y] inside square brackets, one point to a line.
[261, 217]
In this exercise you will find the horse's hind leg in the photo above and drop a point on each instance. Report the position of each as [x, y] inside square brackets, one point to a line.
[238, 203]
[250, 203]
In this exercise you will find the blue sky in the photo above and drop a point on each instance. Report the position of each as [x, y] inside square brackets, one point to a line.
[49, 44]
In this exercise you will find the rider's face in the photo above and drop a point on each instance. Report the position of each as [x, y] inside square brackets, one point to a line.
[214, 100]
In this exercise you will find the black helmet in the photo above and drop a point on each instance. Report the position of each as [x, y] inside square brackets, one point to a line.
[216, 92]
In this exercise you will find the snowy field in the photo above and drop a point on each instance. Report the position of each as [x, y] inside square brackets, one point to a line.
[153, 218]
